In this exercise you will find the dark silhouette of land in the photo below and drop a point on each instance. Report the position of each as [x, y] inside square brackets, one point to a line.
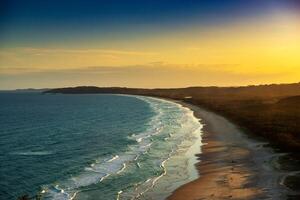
[269, 111]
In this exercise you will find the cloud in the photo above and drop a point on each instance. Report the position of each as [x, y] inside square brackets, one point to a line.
[151, 75]
[68, 58]
[83, 51]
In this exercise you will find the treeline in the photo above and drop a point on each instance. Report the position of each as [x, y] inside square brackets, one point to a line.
[270, 111]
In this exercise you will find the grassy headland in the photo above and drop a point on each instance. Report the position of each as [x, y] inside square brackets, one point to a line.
[269, 111]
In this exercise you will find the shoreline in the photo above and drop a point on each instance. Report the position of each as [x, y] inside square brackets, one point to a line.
[231, 165]
[185, 159]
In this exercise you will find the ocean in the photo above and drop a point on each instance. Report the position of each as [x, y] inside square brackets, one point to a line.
[94, 147]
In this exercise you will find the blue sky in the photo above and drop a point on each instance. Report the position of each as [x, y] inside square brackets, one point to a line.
[33, 22]
[55, 43]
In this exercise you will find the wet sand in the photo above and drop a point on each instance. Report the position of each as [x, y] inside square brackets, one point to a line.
[232, 165]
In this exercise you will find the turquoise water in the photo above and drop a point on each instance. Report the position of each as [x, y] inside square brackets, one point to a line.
[94, 146]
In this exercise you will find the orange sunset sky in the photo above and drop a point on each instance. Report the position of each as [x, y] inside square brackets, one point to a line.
[153, 44]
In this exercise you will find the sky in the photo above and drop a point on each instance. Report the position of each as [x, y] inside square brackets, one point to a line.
[148, 43]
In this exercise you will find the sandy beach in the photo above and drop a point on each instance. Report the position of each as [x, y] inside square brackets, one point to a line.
[232, 165]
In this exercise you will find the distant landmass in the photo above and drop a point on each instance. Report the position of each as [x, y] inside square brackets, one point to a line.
[27, 90]
[271, 111]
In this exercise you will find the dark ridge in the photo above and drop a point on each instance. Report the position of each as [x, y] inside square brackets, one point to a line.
[290, 101]
[268, 111]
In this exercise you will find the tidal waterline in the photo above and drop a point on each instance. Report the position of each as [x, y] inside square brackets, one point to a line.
[134, 147]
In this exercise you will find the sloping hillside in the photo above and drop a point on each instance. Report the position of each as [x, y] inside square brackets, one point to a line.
[270, 111]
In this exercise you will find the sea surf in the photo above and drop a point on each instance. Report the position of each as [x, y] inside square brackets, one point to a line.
[89, 147]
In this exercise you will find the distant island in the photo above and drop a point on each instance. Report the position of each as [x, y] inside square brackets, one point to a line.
[28, 90]
[268, 111]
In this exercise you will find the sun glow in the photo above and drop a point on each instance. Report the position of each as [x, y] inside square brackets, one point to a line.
[254, 50]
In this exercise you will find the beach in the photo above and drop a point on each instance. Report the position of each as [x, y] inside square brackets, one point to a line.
[231, 165]
[213, 157]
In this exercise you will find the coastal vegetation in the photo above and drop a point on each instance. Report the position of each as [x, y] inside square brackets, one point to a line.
[268, 111]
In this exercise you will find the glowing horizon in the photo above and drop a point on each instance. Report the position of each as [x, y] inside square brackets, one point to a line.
[228, 49]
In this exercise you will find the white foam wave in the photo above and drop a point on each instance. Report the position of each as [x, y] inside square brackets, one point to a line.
[32, 153]
[122, 169]
[182, 128]
[104, 177]
[113, 158]
[139, 139]
[119, 194]
[117, 164]
[149, 179]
